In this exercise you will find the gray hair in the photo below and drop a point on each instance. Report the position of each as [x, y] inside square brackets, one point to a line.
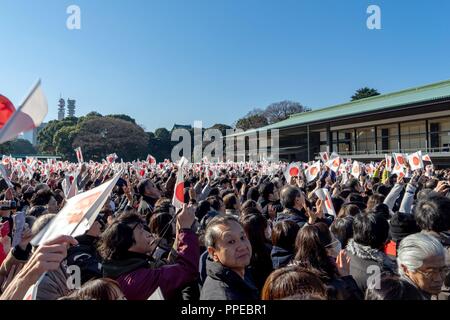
[415, 248]
[212, 232]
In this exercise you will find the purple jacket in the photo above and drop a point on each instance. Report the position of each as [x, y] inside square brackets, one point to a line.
[138, 280]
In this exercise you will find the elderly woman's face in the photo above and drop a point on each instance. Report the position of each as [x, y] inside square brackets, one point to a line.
[430, 276]
[232, 249]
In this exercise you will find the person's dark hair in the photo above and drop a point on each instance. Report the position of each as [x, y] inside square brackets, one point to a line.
[349, 210]
[284, 234]
[311, 253]
[431, 184]
[337, 203]
[266, 189]
[97, 289]
[142, 185]
[433, 213]
[371, 230]
[288, 195]
[37, 211]
[249, 204]
[342, 228]
[214, 202]
[118, 237]
[374, 200]
[42, 197]
[381, 209]
[212, 233]
[158, 225]
[393, 288]
[255, 226]
[250, 210]
[292, 280]
[253, 194]
[202, 209]
[230, 201]
[382, 189]
[425, 193]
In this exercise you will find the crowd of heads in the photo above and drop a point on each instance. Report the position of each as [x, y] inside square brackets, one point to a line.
[242, 234]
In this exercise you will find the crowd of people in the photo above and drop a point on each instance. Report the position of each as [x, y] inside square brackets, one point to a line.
[243, 233]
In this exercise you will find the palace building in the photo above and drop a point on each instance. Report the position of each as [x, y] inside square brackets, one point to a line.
[403, 121]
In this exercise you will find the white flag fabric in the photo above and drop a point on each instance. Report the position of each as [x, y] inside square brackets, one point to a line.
[324, 156]
[5, 176]
[388, 162]
[78, 214]
[293, 170]
[399, 159]
[79, 155]
[356, 169]
[426, 157]
[334, 164]
[157, 295]
[327, 204]
[28, 116]
[151, 159]
[415, 160]
[178, 195]
[312, 171]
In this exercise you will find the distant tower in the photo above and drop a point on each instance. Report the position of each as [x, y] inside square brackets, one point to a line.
[61, 109]
[71, 108]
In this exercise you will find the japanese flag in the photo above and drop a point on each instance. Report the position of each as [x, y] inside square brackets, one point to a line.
[178, 195]
[399, 170]
[415, 160]
[29, 161]
[426, 158]
[356, 169]
[312, 171]
[28, 116]
[399, 159]
[78, 214]
[327, 204]
[79, 155]
[388, 162]
[334, 164]
[6, 160]
[111, 157]
[293, 170]
[324, 156]
[151, 159]
[370, 169]
[6, 110]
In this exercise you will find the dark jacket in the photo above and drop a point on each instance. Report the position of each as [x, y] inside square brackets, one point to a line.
[366, 262]
[280, 257]
[224, 284]
[138, 277]
[297, 216]
[85, 256]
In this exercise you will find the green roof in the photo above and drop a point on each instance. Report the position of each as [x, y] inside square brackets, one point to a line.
[435, 91]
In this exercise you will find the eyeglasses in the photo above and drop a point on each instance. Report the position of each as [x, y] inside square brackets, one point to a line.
[428, 274]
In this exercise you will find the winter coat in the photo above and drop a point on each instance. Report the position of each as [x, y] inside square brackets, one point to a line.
[366, 262]
[224, 284]
[138, 277]
[280, 257]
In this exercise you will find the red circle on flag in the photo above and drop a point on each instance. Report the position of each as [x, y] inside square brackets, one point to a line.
[179, 192]
[400, 160]
[6, 110]
[293, 171]
[416, 161]
[336, 163]
[313, 171]
[328, 203]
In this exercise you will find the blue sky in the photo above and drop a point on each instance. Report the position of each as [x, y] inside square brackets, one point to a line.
[175, 61]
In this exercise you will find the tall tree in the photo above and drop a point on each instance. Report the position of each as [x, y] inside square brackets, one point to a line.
[280, 111]
[365, 92]
[252, 122]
